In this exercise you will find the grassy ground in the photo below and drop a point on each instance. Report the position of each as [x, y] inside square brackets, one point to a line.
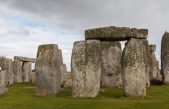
[22, 96]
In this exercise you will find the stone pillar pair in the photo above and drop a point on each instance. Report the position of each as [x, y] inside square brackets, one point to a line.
[7, 65]
[87, 60]
[23, 69]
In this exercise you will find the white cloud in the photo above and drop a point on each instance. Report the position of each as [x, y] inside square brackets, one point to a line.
[24, 24]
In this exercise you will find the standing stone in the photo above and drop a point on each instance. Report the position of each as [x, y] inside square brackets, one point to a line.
[147, 61]
[165, 58]
[17, 67]
[64, 72]
[33, 76]
[68, 81]
[133, 69]
[111, 64]
[3, 88]
[26, 70]
[10, 72]
[86, 68]
[154, 69]
[47, 68]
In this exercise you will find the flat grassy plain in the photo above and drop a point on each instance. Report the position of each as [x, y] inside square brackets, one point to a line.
[22, 96]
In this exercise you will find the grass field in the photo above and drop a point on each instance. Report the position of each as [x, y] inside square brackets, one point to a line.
[22, 96]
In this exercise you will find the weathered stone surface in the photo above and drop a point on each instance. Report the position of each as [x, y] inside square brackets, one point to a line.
[47, 68]
[7, 65]
[147, 61]
[116, 33]
[64, 72]
[3, 88]
[165, 58]
[3, 63]
[26, 70]
[68, 81]
[154, 64]
[33, 76]
[10, 72]
[17, 68]
[86, 68]
[133, 69]
[21, 58]
[111, 64]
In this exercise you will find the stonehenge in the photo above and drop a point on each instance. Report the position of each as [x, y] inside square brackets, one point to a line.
[111, 64]
[165, 58]
[133, 69]
[86, 68]
[3, 89]
[97, 62]
[23, 69]
[48, 72]
[115, 33]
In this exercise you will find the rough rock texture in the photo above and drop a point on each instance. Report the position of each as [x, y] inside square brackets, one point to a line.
[64, 72]
[147, 61]
[17, 68]
[165, 58]
[26, 70]
[10, 72]
[33, 76]
[115, 33]
[154, 64]
[20, 58]
[3, 65]
[3, 88]
[47, 68]
[68, 81]
[86, 68]
[111, 64]
[133, 69]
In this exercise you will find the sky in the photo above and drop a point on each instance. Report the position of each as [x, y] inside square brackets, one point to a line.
[25, 24]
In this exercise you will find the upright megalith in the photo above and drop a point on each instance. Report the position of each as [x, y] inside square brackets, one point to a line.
[111, 64]
[64, 72]
[63, 67]
[3, 88]
[17, 68]
[154, 65]
[10, 72]
[7, 65]
[115, 33]
[86, 68]
[47, 68]
[147, 61]
[26, 70]
[165, 58]
[133, 69]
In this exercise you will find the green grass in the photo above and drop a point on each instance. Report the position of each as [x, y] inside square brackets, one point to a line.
[22, 96]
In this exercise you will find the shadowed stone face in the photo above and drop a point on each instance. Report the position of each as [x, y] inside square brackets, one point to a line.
[111, 67]
[147, 61]
[154, 65]
[47, 68]
[10, 71]
[86, 68]
[133, 69]
[3, 88]
[165, 58]
[17, 67]
[26, 70]
[115, 33]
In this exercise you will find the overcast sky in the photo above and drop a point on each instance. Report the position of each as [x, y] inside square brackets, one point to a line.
[24, 24]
